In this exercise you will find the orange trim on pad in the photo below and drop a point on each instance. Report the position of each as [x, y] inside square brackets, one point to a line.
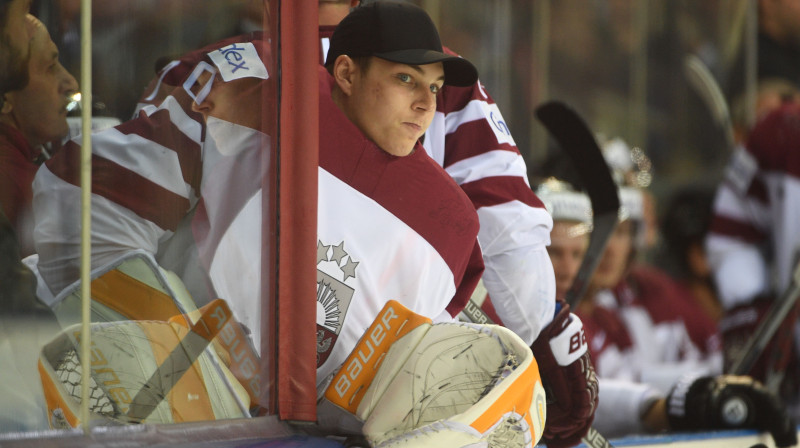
[132, 298]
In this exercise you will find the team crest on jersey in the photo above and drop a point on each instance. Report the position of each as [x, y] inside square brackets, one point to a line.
[335, 269]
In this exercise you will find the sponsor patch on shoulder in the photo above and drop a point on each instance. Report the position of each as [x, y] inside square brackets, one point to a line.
[239, 60]
[499, 125]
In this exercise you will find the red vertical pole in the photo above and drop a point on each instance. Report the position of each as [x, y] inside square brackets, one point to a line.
[297, 209]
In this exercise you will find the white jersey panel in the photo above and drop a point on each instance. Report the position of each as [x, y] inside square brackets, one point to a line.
[433, 141]
[180, 119]
[732, 205]
[360, 267]
[784, 191]
[740, 271]
[518, 272]
[236, 267]
[621, 406]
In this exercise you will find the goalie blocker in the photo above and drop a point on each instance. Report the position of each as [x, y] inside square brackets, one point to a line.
[409, 383]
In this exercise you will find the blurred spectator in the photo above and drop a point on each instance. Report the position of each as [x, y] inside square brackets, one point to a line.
[770, 94]
[778, 50]
[25, 323]
[128, 37]
[29, 118]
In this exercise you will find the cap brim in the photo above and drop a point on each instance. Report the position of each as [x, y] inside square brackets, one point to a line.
[458, 71]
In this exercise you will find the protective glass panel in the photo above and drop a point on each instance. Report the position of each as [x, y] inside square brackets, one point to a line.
[183, 150]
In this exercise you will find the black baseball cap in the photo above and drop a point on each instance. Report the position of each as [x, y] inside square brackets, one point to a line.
[397, 32]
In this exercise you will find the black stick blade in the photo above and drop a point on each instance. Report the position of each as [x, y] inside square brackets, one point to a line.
[574, 137]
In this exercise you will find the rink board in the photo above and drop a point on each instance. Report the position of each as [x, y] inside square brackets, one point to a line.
[711, 439]
[268, 432]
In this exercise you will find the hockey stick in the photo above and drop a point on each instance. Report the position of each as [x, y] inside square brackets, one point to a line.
[768, 326]
[574, 137]
[707, 88]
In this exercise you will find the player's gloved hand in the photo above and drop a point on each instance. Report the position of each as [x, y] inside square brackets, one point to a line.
[729, 402]
[569, 379]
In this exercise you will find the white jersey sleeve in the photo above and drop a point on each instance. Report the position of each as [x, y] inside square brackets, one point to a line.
[471, 140]
[622, 405]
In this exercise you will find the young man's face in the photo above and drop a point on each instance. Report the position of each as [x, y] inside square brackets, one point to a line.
[393, 104]
[40, 108]
[14, 46]
[614, 263]
[567, 248]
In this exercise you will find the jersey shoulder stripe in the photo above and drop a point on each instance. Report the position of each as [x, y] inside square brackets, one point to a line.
[151, 202]
[724, 226]
[500, 190]
[159, 129]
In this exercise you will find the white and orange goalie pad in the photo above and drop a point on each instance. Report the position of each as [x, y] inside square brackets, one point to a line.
[134, 287]
[413, 384]
[143, 372]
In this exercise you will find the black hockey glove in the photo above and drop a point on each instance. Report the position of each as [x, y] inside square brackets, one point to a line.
[729, 402]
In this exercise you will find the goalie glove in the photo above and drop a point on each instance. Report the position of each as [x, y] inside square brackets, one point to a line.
[412, 384]
[728, 402]
[142, 372]
[569, 378]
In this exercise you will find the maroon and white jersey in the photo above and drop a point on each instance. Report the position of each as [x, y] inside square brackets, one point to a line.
[646, 330]
[388, 228]
[753, 242]
[678, 319]
[471, 141]
[150, 172]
